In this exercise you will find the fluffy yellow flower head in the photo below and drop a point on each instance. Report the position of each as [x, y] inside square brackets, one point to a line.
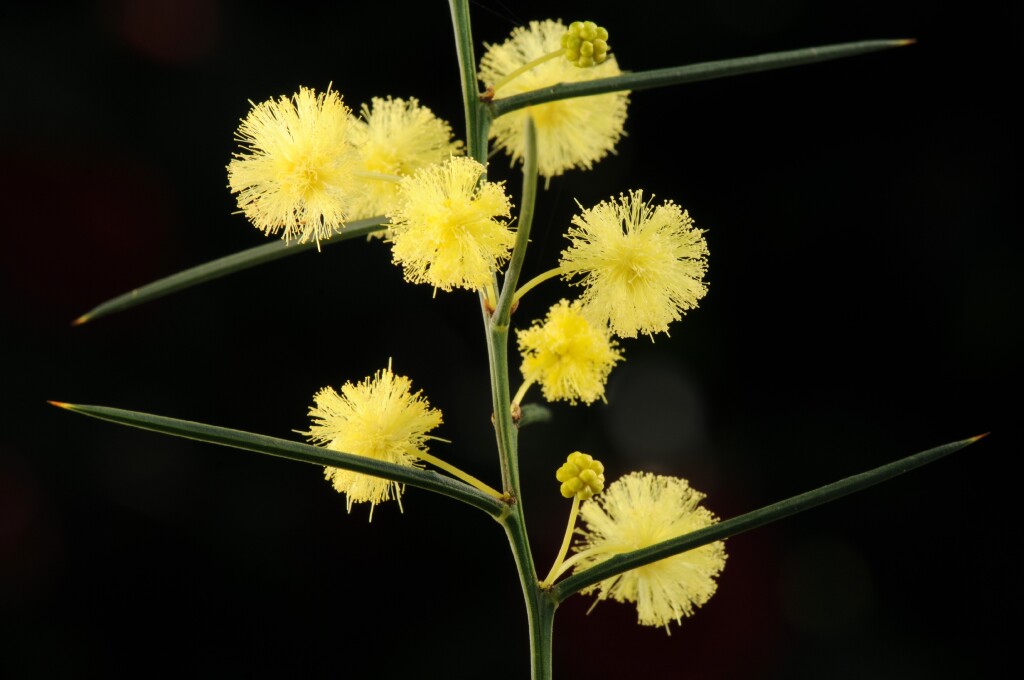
[445, 228]
[642, 265]
[571, 133]
[378, 418]
[568, 355]
[396, 137]
[635, 512]
[295, 170]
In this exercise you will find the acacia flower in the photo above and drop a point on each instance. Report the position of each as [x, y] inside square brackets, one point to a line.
[568, 355]
[571, 133]
[449, 231]
[378, 418]
[635, 512]
[642, 265]
[295, 172]
[395, 138]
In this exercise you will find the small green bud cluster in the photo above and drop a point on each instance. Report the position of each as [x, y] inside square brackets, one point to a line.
[581, 476]
[585, 44]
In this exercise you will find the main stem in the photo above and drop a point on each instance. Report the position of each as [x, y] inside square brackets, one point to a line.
[540, 606]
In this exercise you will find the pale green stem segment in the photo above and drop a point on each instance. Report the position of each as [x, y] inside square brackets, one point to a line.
[267, 252]
[534, 282]
[477, 117]
[737, 525]
[526, 67]
[663, 77]
[298, 451]
[456, 472]
[527, 203]
[540, 607]
[556, 568]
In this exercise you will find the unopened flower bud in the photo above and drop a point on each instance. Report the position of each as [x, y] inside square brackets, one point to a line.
[581, 476]
[585, 44]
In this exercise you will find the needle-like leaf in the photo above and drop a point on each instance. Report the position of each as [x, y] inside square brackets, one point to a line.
[770, 513]
[223, 266]
[710, 70]
[292, 450]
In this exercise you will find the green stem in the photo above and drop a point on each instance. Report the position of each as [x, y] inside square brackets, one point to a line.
[477, 118]
[540, 606]
[737, 525]
[693, 73]
[526, 207]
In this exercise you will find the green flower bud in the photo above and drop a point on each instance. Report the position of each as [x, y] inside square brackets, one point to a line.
[581, 476]
[585, 44]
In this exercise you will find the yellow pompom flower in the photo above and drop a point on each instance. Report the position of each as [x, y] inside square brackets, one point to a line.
[571, 133]
[295, 172]
[635, 512]
[449, 231]
[395, 138]
[378, 418]
[642, 265]
[568, 355]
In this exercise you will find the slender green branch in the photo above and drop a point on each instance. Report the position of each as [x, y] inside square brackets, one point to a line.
[526, 206]
[476, 116]
[298, 451]
[540, 606]
[693, 73]
[751, 520]
[508, 441]
[223, 266]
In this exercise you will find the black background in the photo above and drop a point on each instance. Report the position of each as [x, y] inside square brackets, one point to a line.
[863, 223]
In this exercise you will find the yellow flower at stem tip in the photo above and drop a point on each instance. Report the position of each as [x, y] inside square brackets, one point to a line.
[568, 354]
[635, 512]
[395, 138]
[295, 172]
[447, 229]
[642, 265]
[378, 418]
[571, 133]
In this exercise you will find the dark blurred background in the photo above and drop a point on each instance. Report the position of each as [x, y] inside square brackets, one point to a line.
[863, 223]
